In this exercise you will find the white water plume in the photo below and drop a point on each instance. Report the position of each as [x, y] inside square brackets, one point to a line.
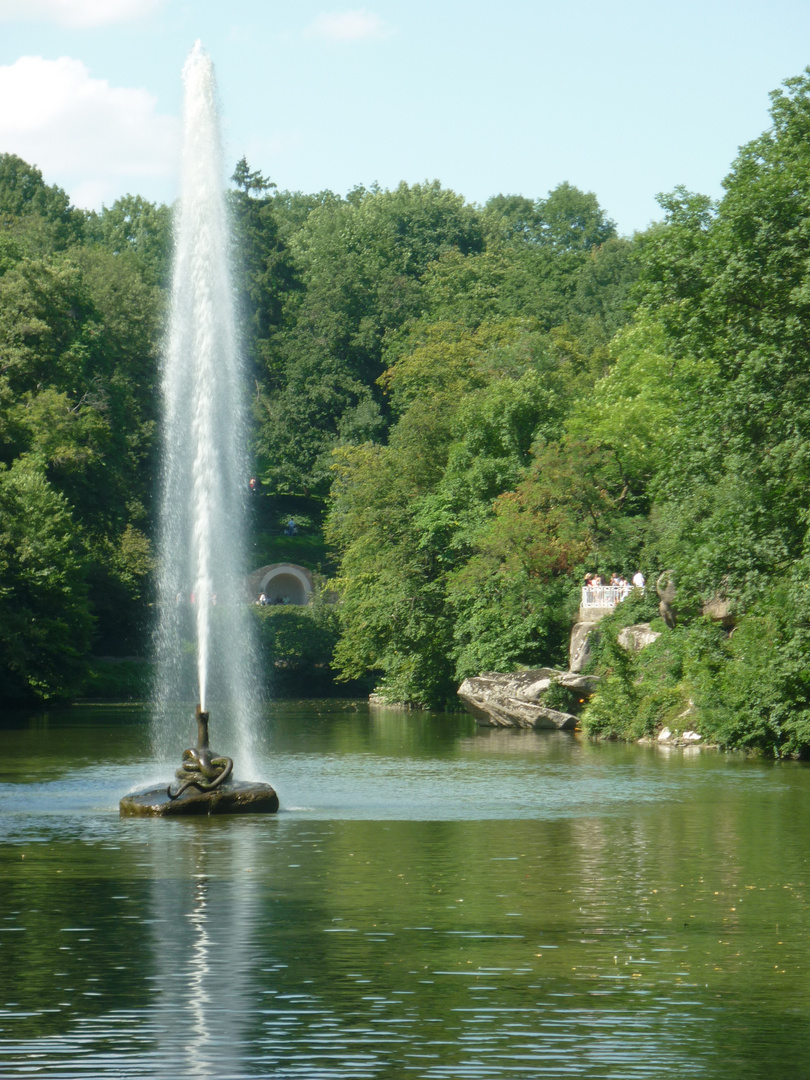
[202, 600]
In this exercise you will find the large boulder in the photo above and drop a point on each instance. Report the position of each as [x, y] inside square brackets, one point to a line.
[719, 609]
[637, 637]
[516, 700]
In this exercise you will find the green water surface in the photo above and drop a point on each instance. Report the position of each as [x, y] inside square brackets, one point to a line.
[433, 901]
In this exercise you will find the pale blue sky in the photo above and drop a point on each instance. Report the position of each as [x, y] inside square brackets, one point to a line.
[625, 99]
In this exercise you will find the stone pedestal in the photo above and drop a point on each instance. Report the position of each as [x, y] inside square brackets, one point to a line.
[233, 798]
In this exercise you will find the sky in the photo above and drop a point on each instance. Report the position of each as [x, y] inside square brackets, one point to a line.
[625, 98]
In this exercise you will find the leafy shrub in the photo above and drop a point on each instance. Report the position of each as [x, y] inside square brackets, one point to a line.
[296, 645]
[118, 680]
[759, 696]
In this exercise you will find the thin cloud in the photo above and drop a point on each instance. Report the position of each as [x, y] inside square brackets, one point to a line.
[81, 132]
[76, 13]
[349, 26]
[279, 145]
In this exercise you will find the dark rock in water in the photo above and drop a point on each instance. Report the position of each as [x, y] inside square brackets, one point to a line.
[233, 798]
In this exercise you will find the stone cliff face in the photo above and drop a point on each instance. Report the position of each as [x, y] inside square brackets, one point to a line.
[517, 700]
[579, 650]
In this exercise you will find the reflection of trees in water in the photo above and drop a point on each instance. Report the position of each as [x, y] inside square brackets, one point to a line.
[426, 927]
[633, 908]
[60, 910]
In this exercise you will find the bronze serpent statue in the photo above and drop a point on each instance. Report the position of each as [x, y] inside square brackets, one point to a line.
[200, 768]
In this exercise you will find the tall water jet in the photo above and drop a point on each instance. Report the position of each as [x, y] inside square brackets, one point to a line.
[205, 650]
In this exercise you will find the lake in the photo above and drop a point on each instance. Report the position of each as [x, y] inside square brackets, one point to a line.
[434, 901]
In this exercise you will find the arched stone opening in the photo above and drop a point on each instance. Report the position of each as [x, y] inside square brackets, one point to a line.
[282, 583]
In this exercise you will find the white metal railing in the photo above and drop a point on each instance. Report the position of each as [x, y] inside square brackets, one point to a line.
[604, 596]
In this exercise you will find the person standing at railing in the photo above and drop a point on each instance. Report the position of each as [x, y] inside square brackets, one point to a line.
[638, 580]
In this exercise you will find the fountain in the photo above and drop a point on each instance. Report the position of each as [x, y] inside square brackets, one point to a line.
[204, 787]
[201, 587]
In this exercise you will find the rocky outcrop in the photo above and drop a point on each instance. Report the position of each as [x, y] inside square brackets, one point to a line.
[517, 700]
[674, 738]
[719, 609]
[635, 638]
[579, 647]
[668, 739]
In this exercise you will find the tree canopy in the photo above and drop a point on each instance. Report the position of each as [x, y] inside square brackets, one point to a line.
[484, 402]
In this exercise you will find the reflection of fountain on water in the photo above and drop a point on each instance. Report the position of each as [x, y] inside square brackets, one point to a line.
[202, 599]
[203, 920]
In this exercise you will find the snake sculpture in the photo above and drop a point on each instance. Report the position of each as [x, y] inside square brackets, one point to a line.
[201, 768]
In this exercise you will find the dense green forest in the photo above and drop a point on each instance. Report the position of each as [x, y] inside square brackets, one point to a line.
[465, 408]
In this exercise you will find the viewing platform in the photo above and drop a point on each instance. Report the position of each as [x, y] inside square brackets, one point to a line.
[599, 600]
[596, 602]
[604, 596]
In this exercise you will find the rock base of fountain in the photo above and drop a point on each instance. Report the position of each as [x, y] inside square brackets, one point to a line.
[232, 798]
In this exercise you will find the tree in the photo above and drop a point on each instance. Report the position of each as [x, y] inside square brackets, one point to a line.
[407, 518]
[320, 407]
[558, 260]
[265, 274]
[567, 220]
[43, 596]
[512, 217]
[730, 286]
[634, 412]
[602, 302]
[78, 334]
[249, 182]
[572, 220]
[360, 262]
[30, 208]
[135, 227]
